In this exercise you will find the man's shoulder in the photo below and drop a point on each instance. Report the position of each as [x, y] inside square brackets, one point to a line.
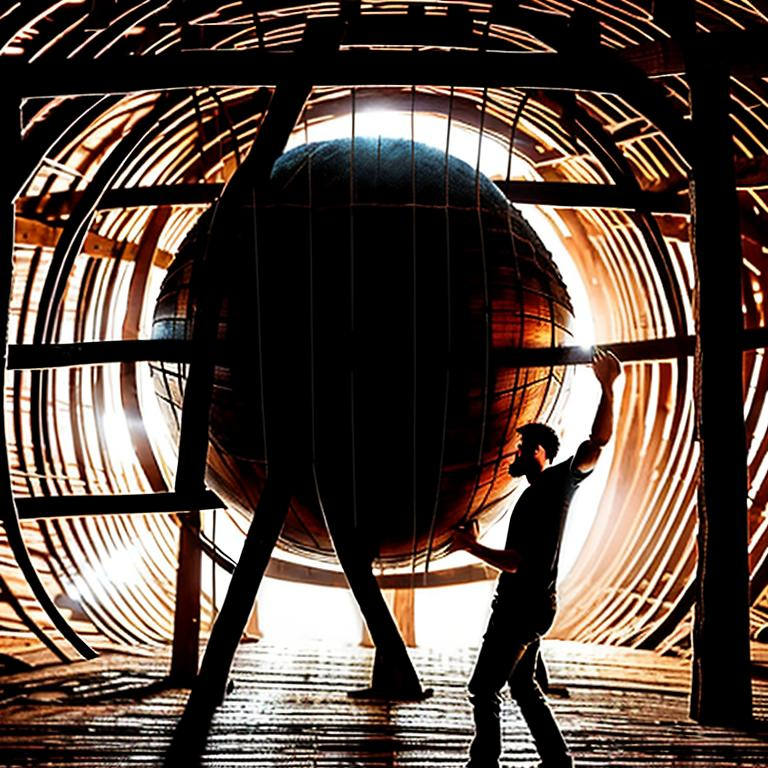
[564, 469]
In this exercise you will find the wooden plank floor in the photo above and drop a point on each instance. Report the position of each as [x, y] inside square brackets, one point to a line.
[289, 708]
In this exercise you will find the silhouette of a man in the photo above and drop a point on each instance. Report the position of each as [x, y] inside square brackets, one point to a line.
[524, 606]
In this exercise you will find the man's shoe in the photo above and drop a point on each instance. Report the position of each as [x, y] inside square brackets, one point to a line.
[564, 763]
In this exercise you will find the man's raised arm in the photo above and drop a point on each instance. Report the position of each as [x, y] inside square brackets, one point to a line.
[607, 368]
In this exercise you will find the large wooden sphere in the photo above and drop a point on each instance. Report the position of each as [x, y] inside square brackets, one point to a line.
[369, 291]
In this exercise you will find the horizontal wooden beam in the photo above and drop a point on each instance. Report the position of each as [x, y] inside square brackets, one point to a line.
[326, 577]
[754, 338]
[627, 351]
[161, 194]
[597, 70]
[39, 356]
[34, 233]
[115, 74]
[46, 507]
[576, 195]
[742, 50]
[555, 193]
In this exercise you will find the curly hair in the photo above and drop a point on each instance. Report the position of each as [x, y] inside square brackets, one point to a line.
[542, 435]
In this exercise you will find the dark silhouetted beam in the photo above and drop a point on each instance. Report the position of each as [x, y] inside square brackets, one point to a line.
[599, 72]
[627, 351]
[130, 503]
[37, 356]
[575, 195]
[251, 177]
[743, 51]
[186, 618]
[555, 193]
[162, 194]
[721, 682]
[210, 687]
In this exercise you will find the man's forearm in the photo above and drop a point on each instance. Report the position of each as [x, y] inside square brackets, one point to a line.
[503, 559]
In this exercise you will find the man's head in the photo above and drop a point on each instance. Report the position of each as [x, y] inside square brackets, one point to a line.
[538, 445]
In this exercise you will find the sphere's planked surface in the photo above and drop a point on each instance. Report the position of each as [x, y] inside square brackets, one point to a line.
[371, 286]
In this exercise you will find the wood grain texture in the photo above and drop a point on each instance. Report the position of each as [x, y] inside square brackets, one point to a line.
[289, 708]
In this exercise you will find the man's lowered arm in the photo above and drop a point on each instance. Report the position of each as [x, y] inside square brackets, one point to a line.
[503, 559]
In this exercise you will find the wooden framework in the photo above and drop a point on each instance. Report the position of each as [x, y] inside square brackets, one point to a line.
[578, 82]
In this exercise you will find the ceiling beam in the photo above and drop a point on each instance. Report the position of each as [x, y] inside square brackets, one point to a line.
[599, 71]
[47, 507]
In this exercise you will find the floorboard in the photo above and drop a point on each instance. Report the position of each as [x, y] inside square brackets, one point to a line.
[289, 708]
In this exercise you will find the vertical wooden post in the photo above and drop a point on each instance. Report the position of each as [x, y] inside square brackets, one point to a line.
[253, 631]
[186, 624]
[404, 608]
[721, 687]
[402, 603]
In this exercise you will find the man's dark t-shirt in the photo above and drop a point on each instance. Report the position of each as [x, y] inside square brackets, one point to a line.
[535, 529]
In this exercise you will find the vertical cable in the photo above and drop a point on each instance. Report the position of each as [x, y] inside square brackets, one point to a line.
[214, 607]
[448, 339]
[518, 388]
[312, 341]
[414, 347]
[486, 306]
[199, 135]
[259, 335]
[352, 325]
[312, 338]
[513, 414]
[512, 134]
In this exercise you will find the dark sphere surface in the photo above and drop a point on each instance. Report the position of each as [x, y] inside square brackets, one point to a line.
[368, 293]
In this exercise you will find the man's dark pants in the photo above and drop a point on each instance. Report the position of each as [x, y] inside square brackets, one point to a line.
[508, 655]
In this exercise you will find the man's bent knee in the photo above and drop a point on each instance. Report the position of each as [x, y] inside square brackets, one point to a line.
[525, 690]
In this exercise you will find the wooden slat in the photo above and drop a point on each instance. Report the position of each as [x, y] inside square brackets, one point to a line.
[38, 356]
[574, 195]
[628, 351]
[129, 503]
[161, 194]
[11, 140]
[37, 233]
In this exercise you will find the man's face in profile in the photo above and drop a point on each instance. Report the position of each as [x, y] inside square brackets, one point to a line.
[524, 458]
